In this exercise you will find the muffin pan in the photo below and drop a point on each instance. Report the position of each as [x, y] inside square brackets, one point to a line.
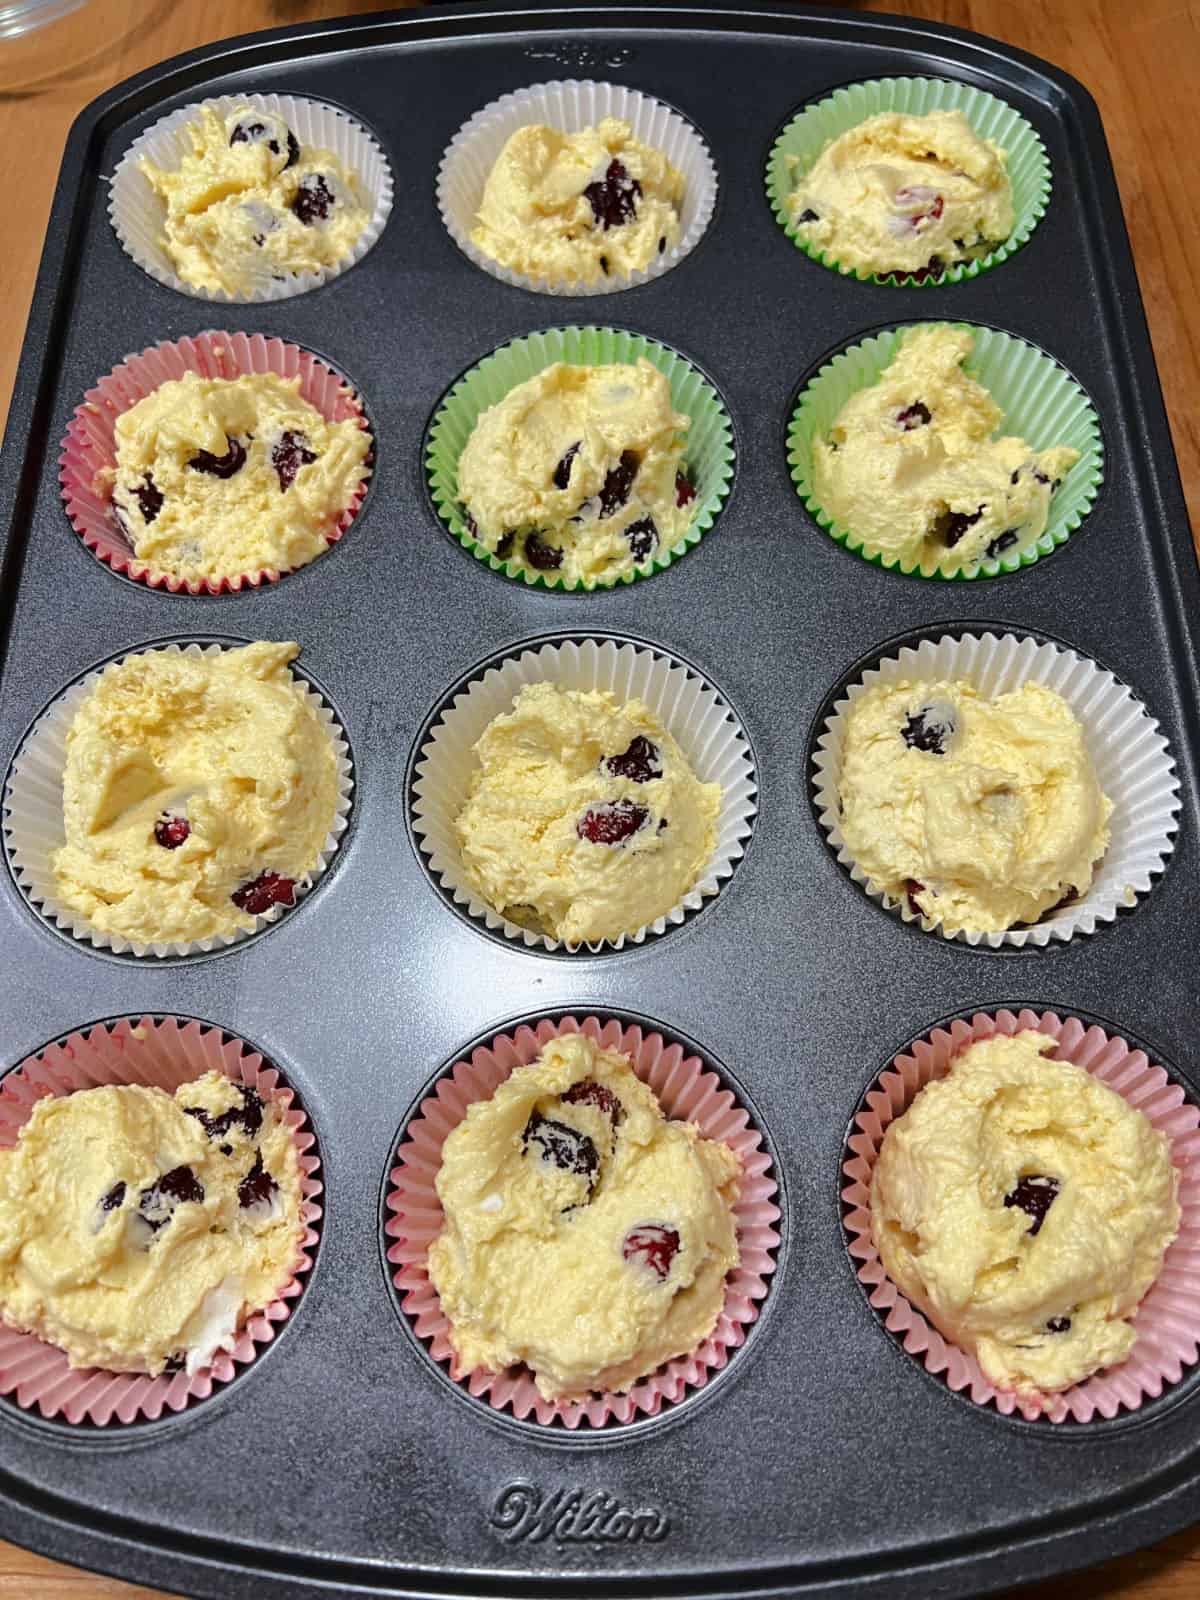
[823, 1458]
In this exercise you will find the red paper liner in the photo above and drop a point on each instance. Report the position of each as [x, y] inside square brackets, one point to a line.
[686, 1090]
[174, 1050]
[90, 444]
[1167, 1321]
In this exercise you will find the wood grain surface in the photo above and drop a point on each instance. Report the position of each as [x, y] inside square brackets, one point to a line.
[1141, 60]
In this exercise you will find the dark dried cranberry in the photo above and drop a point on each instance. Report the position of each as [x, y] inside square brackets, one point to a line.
[149, 498]
[590, 1093]
[1069, 894]
[611, 823]
[1059, 1325]
[662, 244]
[263, 892]
[617, 483]
[258, 1187]
[685, 490]
[542, 557]
[1016, 476]
[1002, 542]
[563, 1146]
[653, 1245]
[288, 455]
[1034, 1195]
[642, 536]
[614, 199]
[808, 215]
[313, 199]
[562, 472]
[171, 832]
[472, 526]
[249, 1114]
[916, 415]
[293, 151]
[929, 729]
[933, 268]
[505, 548]
[179, 1185]
[604, 265]
[912, 888]
[254, 132]
[953, 524]
[224, 466]
[641, 762]
[1041, 477]
[175, 1363]
[114, 1198]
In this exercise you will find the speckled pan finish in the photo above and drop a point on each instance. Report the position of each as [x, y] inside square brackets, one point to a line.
[823, 1460]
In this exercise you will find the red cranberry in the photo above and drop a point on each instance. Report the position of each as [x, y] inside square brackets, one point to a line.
[617, 483]
[641, 762]
[1034, 1195]
[653, 1245]
[562, 472]
[313, 199]
[590, 1093]
[261, 893]
[912, 888]
[614, 199]
[171, 832]
[224, 466]
[288, 455]
[611, 823]
[685, 490]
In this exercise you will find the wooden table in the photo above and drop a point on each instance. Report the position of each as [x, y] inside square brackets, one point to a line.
[1139, 58]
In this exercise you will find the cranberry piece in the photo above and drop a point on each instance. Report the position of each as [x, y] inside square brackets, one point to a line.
[563, 1146]
[916, 415]
[653, 1245]
[617, 483]
[611, 823]
[685, 490]
[1002, 542]
[1016, 476]
[954, 524]
[171, 832]
[175, 1363]
[542, 557]
[912, 888]
[505, 548]
[933, 268]
[114, 1198]
[641, 762]
[562, 472]
[288, 455]
[263, 892]
[258, 1187]
[313, 199]
[293, 151]
[808, 215]
[1034, 1195]
[179, 1186]
[224, 466]
[929, 729]
[590, 1093]
[614, 199]
[662, 244]
[149, 498]
[249, 1114]
[251, 131]
[642, 536]
[1059, 1325]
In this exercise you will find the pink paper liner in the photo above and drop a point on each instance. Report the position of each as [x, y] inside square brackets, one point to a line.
[90, 444]
[1168, 1319]
[686, 1091]
[174, 1051]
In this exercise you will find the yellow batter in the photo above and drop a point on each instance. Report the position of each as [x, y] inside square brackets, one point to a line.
[577, 472]
[223, 477]
[249, 205]
[910, 465]
[584, 820]
[585, 1235]
[903, 194]
[984, 813]
[578, 207]
[1025, 1208]
[130, 1235]
[191, 780]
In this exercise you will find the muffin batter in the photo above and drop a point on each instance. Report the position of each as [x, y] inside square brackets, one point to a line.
[578, 207]
[249, 204]
[137, 1229]
[585, 1234]
[905, 194]
[225, 477]
[984, 813]
[1026, 1208]
[584, 820]
[910, 466]
[198, 792]
[578, 472]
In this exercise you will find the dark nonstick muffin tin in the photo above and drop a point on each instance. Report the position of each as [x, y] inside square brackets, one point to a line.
[825, 1460]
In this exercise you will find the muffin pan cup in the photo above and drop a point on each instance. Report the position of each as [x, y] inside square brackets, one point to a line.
[821, 122]
[159, 1053]
[90, 448]
[1168, 1318]
[708, 457]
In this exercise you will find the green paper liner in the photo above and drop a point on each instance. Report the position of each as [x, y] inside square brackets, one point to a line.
[1040, 402]
[708, 457]
[812, 128]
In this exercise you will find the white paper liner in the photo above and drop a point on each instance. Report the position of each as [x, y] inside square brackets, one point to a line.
[33, 815]
[1132, 761]
[688, 708]
[138, 214]
[569, 105]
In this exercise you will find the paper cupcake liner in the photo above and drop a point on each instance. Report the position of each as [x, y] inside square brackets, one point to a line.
[570, 105]
[687, 1092]
[90, 443]
[1131, 758]
[1040, 402]
[815, 126]
[708, 457]
[161, 1053]
[1168, 1319]
[33, 815]
[691, 710]
[138, 215]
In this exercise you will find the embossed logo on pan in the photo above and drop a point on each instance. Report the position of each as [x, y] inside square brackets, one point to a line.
[522, 1511]
[583, 57]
